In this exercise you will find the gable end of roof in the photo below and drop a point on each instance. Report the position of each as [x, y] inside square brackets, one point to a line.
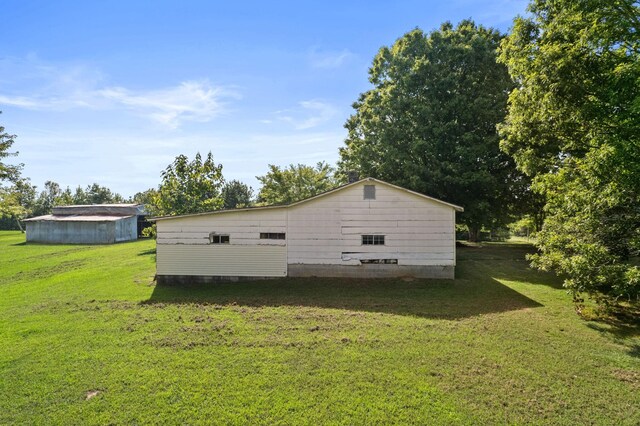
[315, 197]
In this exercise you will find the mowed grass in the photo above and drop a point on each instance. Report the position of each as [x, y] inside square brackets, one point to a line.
[87, 338]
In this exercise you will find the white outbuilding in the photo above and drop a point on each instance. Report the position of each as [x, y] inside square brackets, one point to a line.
[368, 228]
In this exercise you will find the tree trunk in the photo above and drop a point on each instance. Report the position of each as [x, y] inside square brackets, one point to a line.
[19, 225]
[474, 234]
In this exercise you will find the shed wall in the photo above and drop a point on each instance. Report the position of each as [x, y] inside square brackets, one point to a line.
[321, 234]
[221, 260]
[244, 227]
[328, 231]
[126, 229]
[69, 232]
[183, 247]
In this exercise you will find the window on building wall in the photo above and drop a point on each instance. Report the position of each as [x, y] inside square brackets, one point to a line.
[218, 238]
[369, 192]
[272, 235]
[373, 240]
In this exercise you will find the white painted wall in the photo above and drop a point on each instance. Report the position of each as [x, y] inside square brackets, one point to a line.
[328, 230]
[244, 227]
[183, 245]
[221, 260]
[323, 231]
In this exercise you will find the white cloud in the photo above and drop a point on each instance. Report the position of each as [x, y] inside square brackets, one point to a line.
[308, 115]
[189, 101]
[64, 88]
[328, 60]
[323, 112]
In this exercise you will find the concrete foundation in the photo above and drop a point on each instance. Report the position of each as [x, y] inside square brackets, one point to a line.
[371, 271]
[329, 271]
[199, 279]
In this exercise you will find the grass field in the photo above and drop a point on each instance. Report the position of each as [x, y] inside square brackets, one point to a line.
[86, 338]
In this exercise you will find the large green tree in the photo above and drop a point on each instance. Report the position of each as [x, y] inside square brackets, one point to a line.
[574, 126]
[12, 187]
[236, 194]
[8, 172]
[429, 122]
[190, 186]
[148, 199]
[16, 203]
[296, 182]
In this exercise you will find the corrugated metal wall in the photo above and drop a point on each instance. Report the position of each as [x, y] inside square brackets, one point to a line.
[82, 232]
[71, 232]
[222, 260]
[127, 229]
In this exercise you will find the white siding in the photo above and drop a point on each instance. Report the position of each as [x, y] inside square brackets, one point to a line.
[221, 260]
[328, 230]
[183, 245]
[243, 227]
[322, 231]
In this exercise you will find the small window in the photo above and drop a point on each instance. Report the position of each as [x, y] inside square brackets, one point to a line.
[373, 240]
[218, 238]
[369, 192]
[272, 235]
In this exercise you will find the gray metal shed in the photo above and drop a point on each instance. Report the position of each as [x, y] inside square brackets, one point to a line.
[86, 224]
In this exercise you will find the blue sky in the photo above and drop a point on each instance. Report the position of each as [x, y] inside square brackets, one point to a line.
[111, 92]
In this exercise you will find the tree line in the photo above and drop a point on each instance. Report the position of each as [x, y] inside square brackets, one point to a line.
[187, 186]
[198, 185]
[540, 125]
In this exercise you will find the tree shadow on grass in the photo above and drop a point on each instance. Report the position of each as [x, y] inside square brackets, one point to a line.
[503, 261]
[621, 325]
[147, 252]
[476, 291]
[421, 298]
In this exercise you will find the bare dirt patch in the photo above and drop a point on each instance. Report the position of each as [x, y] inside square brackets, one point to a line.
[628, 376]
[92, 393]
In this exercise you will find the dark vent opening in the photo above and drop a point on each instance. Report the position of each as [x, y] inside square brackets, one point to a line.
[379, 261]
[369, 192]
[272, 235]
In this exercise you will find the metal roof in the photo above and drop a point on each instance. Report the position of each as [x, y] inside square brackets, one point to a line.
[76, 218]
[99, 210]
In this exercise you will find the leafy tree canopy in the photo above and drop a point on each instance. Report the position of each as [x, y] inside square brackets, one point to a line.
[96, 194]
[236, 194]
[429, 123]
[14, 191]
[148, 198]
[7, 172]
[190, 186]
[296, 182]
[16, 203]
[53, 195]
[573, 125]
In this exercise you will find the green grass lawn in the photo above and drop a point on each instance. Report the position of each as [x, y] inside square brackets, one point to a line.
[86, 338]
